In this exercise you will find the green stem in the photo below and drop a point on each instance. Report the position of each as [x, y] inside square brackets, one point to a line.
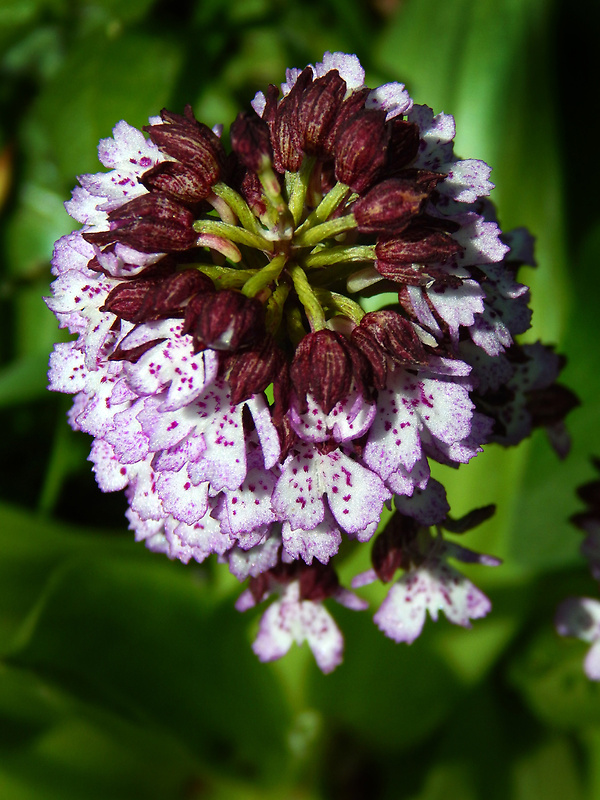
[326, 230]
[237, 203]
[340, 303]
[233, 233]
[295, 328]
[265, 276]
[312, 307]
[338, 255]
[274, 307]
[326, 207]
[226, 277]
[298, 187]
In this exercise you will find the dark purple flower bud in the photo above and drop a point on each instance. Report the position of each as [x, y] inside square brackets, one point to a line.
[403, 145]
[416, 245]
[170, 297]
[360, 149]
[253, 193]
[251, 141]
[348, 109]
[384, 335]
[254, 369]
[285, 135]
[318, 110]
[388, 207]
[392, 548]
[152, 223]
[142, 300]
[191, 142]
[324, 365]
[224, 320]
[126, 299]
[180, 182]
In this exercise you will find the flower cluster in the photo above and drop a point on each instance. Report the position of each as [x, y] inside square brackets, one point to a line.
[580, 616]
[238, 361]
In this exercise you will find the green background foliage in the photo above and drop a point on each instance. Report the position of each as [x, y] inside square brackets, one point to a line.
[124, 675]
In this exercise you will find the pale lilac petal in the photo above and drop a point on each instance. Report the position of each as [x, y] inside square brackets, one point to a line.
[298, 496]
[253, 562]
[347, 420]
[111, 474]
[364, 578]
[348, 66]
[249, 506]
[404, 482]
[467, 180]
[480, 240]
[67, 372]
[391, 97]
[197, 541]
[355, 494]
[322, 542]
[437, 133]
[434, 587]
[128, 146]
[579, 617]
[265, 429]
[181, 497]
[171, 365]
[458, 306]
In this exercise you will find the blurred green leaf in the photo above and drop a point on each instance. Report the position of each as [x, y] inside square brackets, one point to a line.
[146, 641]
[549, 675]
[102, 81]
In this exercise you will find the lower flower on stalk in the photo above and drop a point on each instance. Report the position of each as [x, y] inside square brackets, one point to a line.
[243, 382]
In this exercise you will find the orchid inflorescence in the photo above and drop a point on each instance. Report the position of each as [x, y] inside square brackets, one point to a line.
[275, 340]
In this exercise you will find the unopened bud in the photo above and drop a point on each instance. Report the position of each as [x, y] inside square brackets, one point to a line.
[388, 207]
[151, 223]
[360, 149]
[224, 320]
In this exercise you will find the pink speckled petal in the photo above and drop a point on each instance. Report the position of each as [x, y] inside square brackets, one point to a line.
[355, 494]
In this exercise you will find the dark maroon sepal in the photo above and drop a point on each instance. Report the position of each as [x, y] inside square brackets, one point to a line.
[250, 140]
[325, 364]
[224, 320]
[403, 145]
[126, 299]
[181, 183]
[317, 581]
[318, 109]
[133, 354]
[189, 141]
[348, 109]
[254, 369]
[361, 149]
[392, 548]
[418, 245]
[170, 297]
[152, 223]
[285, 134]
[384, 335]
[389, 207]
